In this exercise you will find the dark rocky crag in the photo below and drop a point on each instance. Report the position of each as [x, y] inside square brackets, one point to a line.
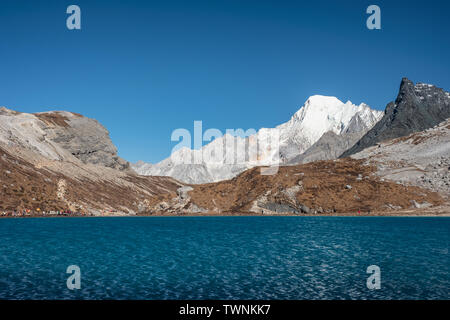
[417, 107]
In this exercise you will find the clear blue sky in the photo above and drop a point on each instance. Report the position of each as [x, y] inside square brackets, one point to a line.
[145, 68]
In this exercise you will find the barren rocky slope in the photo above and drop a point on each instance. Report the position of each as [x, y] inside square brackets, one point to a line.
[58, 161]
[53, 185]
[422, 158]
[324, 187]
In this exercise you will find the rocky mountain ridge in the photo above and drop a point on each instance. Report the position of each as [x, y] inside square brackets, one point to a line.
[416, 108]
[56, 161]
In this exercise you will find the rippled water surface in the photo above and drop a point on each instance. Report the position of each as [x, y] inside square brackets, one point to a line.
[225, 257]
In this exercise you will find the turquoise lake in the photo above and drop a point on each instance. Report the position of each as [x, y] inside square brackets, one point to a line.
[225, 257]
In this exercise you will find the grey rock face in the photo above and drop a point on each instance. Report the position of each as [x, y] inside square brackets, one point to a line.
[182, 192]
[60, 135]
[417, 107]
[329, 146]
[358, 125]
[279, 207]
[305, 209]
[87, 140]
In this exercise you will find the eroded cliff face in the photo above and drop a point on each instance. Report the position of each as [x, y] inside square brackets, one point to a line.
[60, 135]
[84, 138]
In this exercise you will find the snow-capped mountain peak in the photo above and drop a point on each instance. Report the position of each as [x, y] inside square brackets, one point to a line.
[321, 114]
[318, 115]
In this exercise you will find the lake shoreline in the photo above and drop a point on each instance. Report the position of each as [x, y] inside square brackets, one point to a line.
[405, 213]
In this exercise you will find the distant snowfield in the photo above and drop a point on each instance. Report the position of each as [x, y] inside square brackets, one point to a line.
[227, 156]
